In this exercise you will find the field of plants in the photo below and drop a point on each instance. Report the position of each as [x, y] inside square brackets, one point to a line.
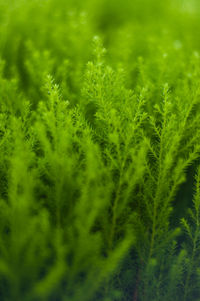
[99, 150]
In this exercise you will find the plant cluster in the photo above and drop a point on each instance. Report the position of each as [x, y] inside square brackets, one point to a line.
[99, 146]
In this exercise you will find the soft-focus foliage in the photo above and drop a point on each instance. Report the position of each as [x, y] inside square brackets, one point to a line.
[99, 146]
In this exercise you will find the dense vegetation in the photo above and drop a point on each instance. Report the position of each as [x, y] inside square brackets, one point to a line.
[99, 150]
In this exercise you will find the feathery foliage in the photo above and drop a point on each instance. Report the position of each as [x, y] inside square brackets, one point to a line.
[99, 150]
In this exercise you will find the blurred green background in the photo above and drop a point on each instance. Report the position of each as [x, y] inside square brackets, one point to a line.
[62, 30]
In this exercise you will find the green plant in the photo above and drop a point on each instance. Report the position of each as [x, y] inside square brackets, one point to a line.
[99, 140]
